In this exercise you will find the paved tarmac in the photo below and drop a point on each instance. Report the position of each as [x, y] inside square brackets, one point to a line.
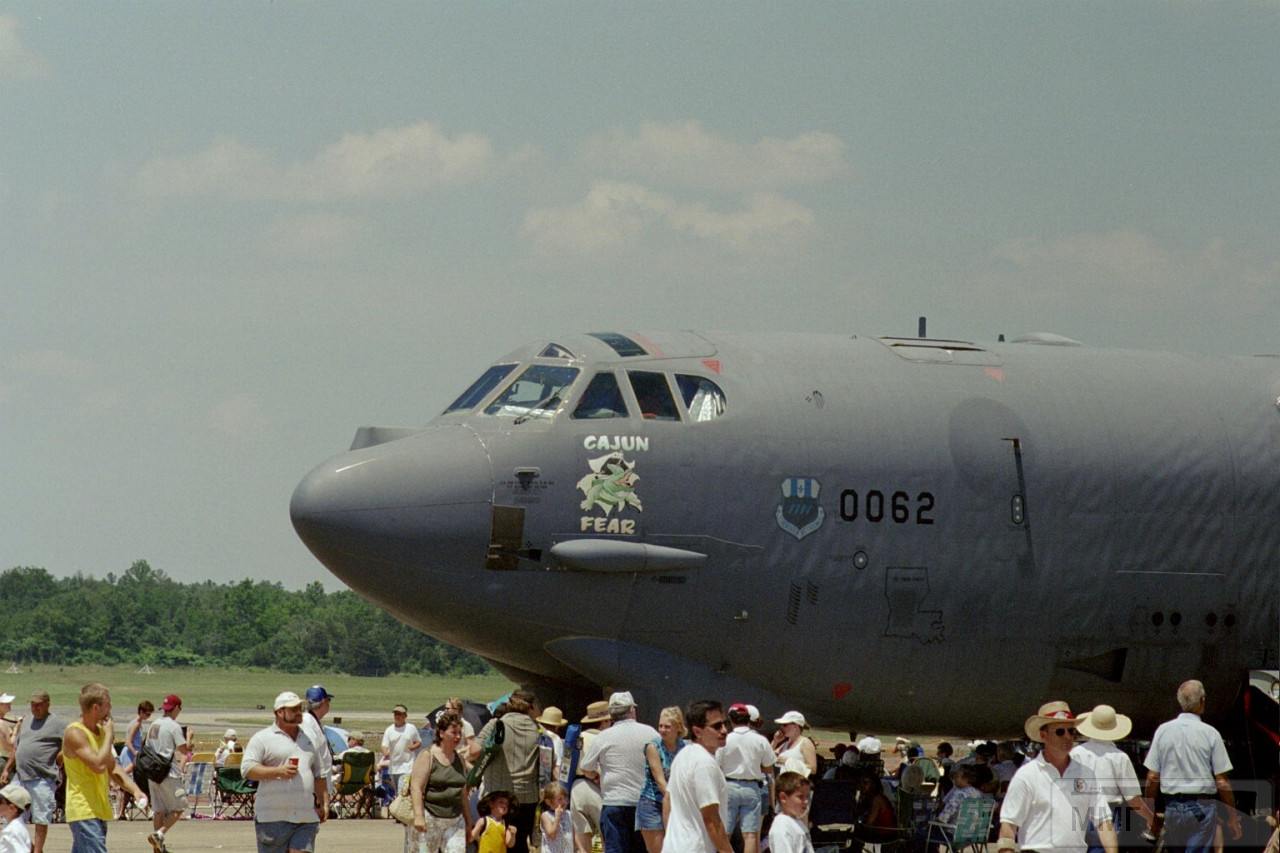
[236, 836]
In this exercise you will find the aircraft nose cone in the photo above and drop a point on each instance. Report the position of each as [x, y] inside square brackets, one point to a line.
[427, 494]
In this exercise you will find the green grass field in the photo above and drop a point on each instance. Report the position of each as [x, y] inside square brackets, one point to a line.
[232, 696]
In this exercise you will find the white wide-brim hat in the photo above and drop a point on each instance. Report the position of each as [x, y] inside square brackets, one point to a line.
[1103, 723]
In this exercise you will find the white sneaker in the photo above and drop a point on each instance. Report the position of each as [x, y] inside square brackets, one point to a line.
[157, 842]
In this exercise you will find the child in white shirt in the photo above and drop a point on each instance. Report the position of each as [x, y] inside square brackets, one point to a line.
[790, 833]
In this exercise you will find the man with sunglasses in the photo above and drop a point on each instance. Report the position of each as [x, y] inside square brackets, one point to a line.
[696, 791]
[1052, 798]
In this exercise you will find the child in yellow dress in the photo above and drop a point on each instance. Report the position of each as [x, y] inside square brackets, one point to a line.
[491, 831]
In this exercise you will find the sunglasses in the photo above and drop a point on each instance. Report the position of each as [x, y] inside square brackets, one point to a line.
[718, 725]
[1063, 732]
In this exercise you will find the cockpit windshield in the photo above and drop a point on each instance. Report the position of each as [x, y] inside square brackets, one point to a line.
[481, 388]
[539, 392]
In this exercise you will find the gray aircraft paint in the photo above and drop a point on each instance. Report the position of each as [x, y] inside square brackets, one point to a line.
[1103, 526]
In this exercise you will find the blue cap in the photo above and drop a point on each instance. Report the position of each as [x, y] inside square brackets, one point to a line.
[317, 693]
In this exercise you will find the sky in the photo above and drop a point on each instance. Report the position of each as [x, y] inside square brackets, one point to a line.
[232, 233]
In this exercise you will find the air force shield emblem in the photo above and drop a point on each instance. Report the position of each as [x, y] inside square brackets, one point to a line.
[798, 511]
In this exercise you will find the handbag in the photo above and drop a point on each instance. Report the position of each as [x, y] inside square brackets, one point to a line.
[151, 765]
[401, 807]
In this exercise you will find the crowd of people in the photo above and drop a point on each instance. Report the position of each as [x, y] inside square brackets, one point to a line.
[705, 779]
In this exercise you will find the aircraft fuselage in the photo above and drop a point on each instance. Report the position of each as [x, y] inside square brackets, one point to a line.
[897, 534]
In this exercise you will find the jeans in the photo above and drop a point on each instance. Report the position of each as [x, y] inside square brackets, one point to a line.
[88, 836]
[1190, 825]
[618, 828]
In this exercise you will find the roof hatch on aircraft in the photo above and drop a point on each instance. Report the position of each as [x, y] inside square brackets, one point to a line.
[941, 351]
[620, 344]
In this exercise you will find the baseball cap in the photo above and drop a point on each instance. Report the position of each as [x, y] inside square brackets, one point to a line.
[621, 701]
[317, 693]
[753, 713]
[400, 709]
[287, 699]
[6, 697]
[792, 717]
[16, 794]
[173, 700]
[228, 734]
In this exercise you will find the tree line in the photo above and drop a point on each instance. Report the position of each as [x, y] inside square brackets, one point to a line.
[144, 616]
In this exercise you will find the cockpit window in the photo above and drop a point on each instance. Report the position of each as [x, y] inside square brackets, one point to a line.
[539, 392]
[654, 396]
[602, 399]
[554, 351]
[481, 388]
[702, 397]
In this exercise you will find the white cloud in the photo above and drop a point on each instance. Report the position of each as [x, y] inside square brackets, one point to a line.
[612, 213]
[388, 163]
[768, 220]
[1127, 270]
[686, 154]
[17, 61]
[1125, 259]
[615, 214]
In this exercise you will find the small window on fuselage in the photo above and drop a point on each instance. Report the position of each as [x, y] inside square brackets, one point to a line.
[602, 399]
[702, 397]
[654, 396]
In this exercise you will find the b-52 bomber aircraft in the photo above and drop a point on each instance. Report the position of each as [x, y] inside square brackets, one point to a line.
[898, 534]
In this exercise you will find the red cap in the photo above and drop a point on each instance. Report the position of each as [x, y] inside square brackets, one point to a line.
[739, 707]
[170, 702]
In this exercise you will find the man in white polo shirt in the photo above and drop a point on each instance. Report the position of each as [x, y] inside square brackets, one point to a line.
[1052, 799]
[617, 754]
[1189, 765]
[292, 799]
[747, 762]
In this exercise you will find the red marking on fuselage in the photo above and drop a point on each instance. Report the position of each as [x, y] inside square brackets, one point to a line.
[841, 690]
[996, 373]
[712, 364]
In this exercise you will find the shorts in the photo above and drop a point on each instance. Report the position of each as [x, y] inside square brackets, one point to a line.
[649, 815]
[88, 836]
[280, 836]
[42, 793]
[167, 797]
[745, 811]
[585, 803]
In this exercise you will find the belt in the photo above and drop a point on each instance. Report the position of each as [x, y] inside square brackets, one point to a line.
[756, 782]
[1190, 798]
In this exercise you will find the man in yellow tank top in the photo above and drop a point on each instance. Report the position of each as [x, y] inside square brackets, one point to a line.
[89, 761]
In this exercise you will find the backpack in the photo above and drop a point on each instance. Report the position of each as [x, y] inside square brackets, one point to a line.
[492, 743]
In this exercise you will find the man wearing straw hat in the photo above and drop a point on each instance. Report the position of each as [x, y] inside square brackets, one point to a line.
[1112, 768]
[1189, 765]
[1052, 798]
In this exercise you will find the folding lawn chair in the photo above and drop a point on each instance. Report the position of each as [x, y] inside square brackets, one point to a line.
[199, 782]
[353, 795]
[233, 794]
[973, 823]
